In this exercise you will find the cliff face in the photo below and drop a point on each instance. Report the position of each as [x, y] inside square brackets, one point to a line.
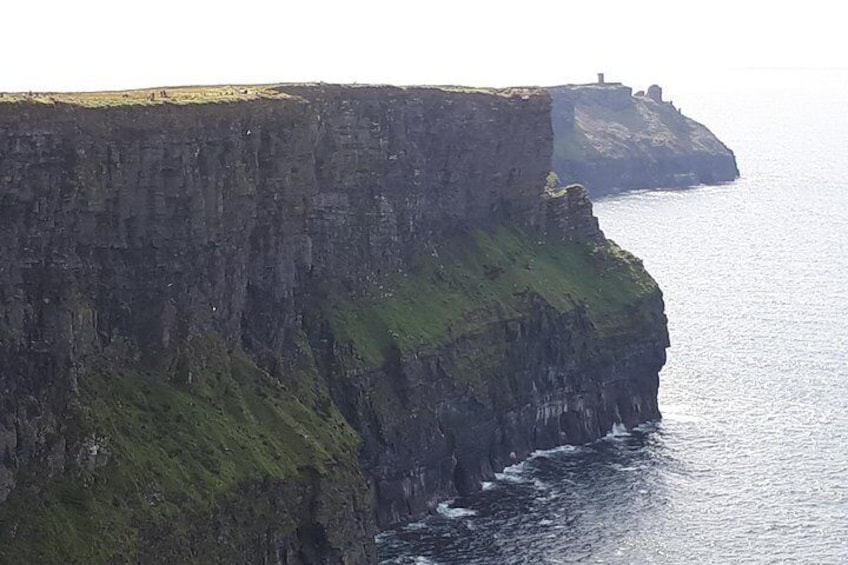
[252, 330]
[489, 349]
[610, 140]
[144, 248]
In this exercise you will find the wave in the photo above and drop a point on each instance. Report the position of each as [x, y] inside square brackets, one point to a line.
[446, 510]
[617, 431]
[555, 450]
[515, 477]
[384, 536]
[514, 473]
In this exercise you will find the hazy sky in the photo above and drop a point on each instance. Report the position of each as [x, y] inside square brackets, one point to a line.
[94, 44]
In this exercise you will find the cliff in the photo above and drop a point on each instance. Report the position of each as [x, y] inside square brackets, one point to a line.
[610, 140]
[253, 324]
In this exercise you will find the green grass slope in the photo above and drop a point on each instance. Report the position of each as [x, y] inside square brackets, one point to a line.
[469, 282]
[173, 457]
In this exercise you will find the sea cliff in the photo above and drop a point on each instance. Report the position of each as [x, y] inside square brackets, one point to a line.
[254, 324]
[612, 140]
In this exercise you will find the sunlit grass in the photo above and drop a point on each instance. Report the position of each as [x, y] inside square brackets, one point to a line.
[149, 96]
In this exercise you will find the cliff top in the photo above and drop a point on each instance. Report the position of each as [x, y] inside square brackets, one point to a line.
[590, 86]
[184, 95]
[147, 96]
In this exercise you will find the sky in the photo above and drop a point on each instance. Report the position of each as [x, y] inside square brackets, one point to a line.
[56, 45]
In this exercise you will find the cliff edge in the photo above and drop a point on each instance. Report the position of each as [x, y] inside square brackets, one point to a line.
[254, 324]
[611, 140]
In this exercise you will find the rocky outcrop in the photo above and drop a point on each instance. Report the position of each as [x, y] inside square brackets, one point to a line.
[611, 141]
[250, 324]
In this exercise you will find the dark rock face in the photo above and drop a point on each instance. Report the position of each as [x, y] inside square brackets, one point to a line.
[422, 162]
[127, 236]
[611, 141]
[568, 216]
[551, 389]
[118, 227]
[165, 255]
[610, 176]
[531, 374]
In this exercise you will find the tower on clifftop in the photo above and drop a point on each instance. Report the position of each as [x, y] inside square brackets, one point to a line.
[655, 93]
[600, 78]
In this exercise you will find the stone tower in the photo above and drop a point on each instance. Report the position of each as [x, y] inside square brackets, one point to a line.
[655, 93]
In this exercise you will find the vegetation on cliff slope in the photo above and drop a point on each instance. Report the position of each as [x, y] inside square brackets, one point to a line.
[174, 459]
[468, 282]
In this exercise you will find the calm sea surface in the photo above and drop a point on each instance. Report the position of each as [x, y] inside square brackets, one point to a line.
[750, 461]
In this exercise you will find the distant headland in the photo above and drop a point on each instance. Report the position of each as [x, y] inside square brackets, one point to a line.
[612, 140]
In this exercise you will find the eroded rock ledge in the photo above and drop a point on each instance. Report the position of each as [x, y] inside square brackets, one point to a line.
[251, 324]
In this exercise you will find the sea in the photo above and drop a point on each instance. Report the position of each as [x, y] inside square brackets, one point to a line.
[749, 463]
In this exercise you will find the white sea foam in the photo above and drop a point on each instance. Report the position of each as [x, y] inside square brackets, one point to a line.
[516, 468]
[618, 430]
[515, 477]
[555, 450]
[517, 473]
[514, 473]
[384, 536]
[541, 485]
[487, 485]
[446, 510]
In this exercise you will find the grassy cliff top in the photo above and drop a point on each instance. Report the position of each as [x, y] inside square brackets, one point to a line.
[148, 96]
[184, 95]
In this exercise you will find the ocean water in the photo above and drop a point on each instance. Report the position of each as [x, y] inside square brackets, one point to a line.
[750, 461]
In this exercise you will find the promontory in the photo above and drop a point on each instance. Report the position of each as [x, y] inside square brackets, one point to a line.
[611, 140]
